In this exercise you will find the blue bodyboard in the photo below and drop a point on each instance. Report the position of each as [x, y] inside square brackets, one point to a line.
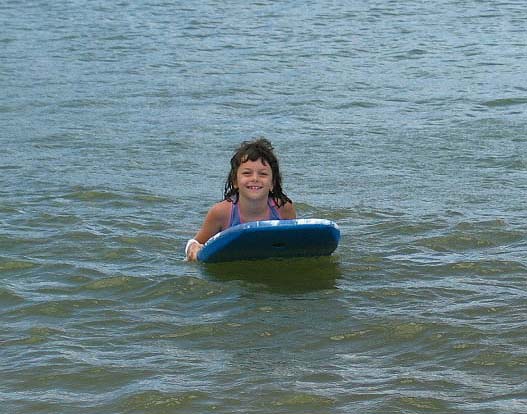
[272, 238]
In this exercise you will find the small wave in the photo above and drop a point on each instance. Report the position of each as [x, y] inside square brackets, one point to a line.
[406, 331]
[394, 332]
[10, 265]
[498, 359]
[55, 219]
[190, 287]
[411, 403]
[469, 236]
[409, 54]
[334, 214]
[503, 102]
[146, 240]
[484, 224]
[357, 104]
[9, 209]
[93, 195]
[60, 308]
[10, 167]
[145, 401]
[150, 198]
[117, 254]
[84, 103]
[381, 213]
[200, 331]
[406, 227]
[9, 298]
[455, 242]
[300, 399]
[35, 335]
[454, 264]
[114, 198]
[350, 336]
[80, 235]
[121, 283]
[488, 267]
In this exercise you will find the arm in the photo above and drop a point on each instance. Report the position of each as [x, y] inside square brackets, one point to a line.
[288, 212]
[213, 224]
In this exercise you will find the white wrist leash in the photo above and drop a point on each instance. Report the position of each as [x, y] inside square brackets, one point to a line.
[190, 243]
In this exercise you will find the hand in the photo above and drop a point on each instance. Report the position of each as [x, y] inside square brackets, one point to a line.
[192, 250]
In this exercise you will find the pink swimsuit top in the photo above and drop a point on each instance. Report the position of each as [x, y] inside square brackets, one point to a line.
[235, 213]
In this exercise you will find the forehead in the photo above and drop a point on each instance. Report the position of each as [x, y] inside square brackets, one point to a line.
[258, 164]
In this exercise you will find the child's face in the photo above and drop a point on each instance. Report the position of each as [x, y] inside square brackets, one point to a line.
[254, 179]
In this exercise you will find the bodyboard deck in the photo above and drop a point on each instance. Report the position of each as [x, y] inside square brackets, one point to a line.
[272, 238]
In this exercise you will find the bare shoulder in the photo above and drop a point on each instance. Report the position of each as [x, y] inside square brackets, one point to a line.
[221, 210]
[219, 214]
[287, 211]
[214, 222]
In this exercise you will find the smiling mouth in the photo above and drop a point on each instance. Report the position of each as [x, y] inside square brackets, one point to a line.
[253, 187]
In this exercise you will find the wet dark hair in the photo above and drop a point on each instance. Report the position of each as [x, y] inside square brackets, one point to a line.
[256, 149]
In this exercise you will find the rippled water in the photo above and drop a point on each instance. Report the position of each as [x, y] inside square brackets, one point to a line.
[404, 122]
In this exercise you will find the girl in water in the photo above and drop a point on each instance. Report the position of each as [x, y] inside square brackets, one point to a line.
[253, 192]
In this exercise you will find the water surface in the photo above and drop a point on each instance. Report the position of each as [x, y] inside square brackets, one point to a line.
[404, 122]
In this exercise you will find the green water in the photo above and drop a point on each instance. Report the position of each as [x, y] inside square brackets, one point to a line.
[404, 122]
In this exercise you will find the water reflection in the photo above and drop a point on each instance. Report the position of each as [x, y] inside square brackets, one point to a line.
[282, 275]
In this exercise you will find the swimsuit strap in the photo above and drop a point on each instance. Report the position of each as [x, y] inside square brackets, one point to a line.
[235, 219]
[274, 214]
[235, 215]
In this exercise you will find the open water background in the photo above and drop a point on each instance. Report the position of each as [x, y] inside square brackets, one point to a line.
[403, 121]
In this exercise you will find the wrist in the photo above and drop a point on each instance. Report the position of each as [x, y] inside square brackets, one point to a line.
[189, 244]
